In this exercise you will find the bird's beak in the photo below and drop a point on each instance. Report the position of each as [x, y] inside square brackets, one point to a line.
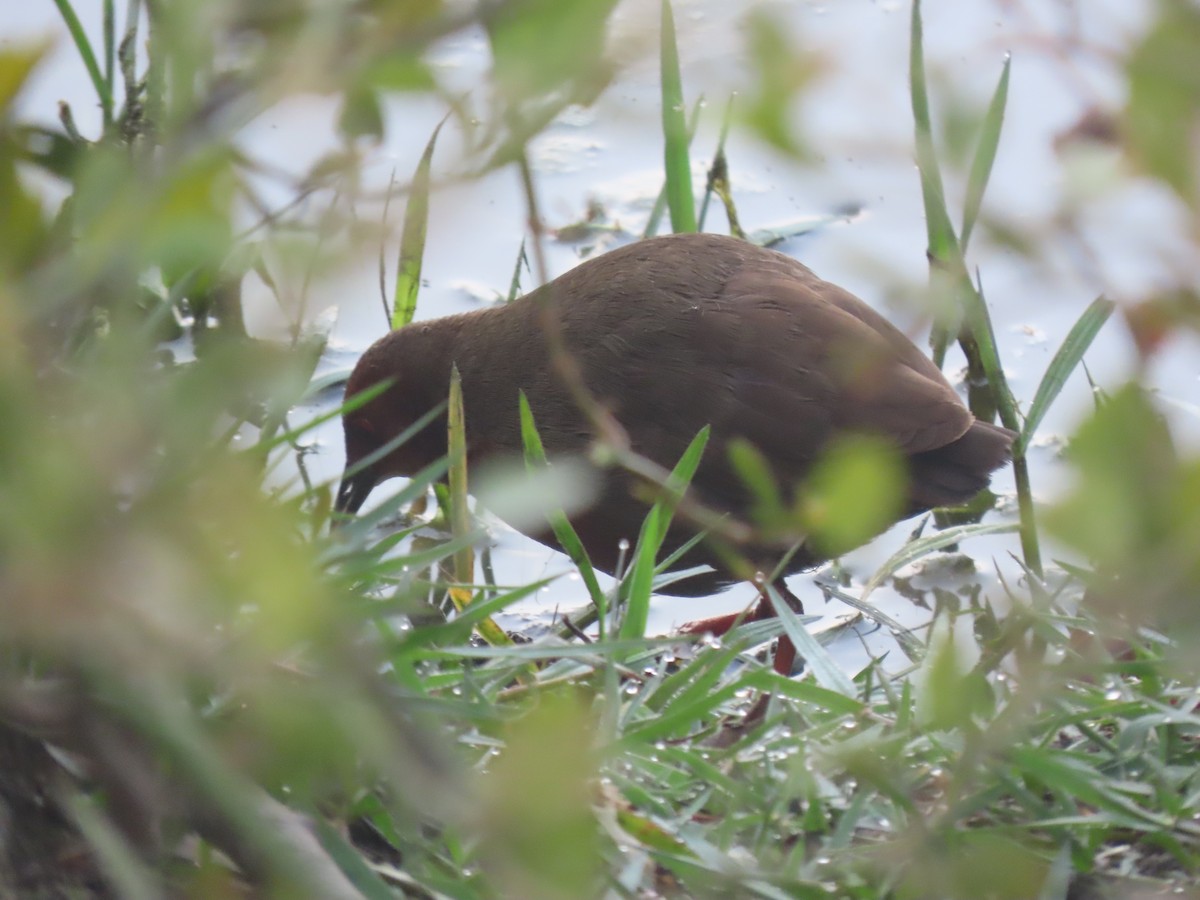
[353, 492]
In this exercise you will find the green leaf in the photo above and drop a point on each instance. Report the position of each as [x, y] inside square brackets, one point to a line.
[84, 47]
[680, 200]
[653, 533]
[783, 72]
[1068, 356]
[564, 532]
[16, 64]
[660, 202]
[947, 692]
[641, 576]
[755, 472]
[854, 491]
[460, 510]
[1135, 507]
[548, 46]
[943, 244]
[1164, 99]
[361, 114]
[985, 155]
[412, 242]
[827, 672]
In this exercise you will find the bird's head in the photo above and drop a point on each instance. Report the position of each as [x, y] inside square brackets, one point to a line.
[405, 380]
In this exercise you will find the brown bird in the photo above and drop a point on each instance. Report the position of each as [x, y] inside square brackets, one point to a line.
[670, 335]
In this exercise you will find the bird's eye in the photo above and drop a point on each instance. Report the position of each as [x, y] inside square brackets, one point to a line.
[359, 425]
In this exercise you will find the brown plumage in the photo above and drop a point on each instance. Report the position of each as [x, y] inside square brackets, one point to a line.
[672, 334]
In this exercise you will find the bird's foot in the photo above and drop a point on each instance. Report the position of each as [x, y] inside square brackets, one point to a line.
[785, 653]
[717, 625]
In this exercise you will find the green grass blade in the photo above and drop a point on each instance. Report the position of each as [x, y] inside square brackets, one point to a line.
[353, 864]
[827, 673]
[696, 678]
[374, 562]
[564, 533]
[914, 550]
[680, 201]
[681, 476]
[911, 647]
[943, 244]
[654, 532]
[412, 241]
[660, 202]
[979, 324]
[985, 155]
[355, 530]
[459, 628]
[461, 592]
[403, 437]
[1069, 355]
[460, 510]
[88, 55]
[641, 576]
[125, 869]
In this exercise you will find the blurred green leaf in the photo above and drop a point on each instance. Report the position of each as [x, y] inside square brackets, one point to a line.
[755, 472]
[854, 491]
[947, 690]
[362, 114]
[1135, 512]
[542, 839]
[970, 864]
[784, 72]
[23, 229]
[1163, 114]
[16, 64]
[543, 46]
[1129, 478]
[399, 72]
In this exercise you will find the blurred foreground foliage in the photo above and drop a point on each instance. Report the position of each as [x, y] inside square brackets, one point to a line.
[204, 694]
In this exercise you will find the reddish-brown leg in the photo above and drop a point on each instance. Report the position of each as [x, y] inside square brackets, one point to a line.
[785, 653]
[785, 656]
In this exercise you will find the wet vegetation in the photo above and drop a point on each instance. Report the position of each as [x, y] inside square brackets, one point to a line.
[207, 692]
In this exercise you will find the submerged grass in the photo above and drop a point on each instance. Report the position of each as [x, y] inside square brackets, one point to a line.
[292, 696]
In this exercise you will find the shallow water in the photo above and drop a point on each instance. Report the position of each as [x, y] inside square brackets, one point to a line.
[857, 124]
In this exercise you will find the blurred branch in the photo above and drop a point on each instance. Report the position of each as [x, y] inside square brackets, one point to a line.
[124, 766]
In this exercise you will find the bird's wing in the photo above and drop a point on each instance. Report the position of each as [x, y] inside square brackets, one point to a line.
[782, 362]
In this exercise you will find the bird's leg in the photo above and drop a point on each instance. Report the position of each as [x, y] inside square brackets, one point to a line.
[719, 625]
[785, 653]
